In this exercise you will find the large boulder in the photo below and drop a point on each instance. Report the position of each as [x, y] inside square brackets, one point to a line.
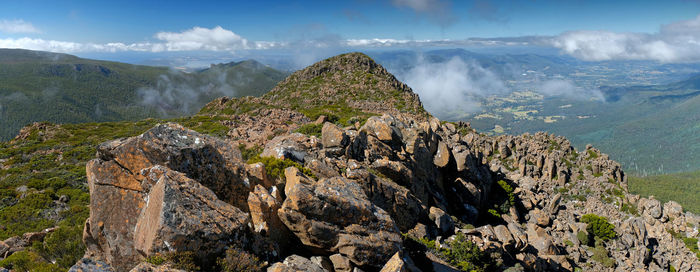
[183, 215]
[168, 189]
[213, 162]
[296, 263]
[335, 216]
[263, 207]
[333, 136]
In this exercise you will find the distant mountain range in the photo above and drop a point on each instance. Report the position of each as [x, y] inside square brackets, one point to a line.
[61, 88]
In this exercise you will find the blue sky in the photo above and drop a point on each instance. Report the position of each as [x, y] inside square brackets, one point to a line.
[156, 26]
[135, 21]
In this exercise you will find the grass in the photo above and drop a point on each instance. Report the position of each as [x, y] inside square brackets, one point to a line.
[310, 129]
[50, 163]
[683, 188]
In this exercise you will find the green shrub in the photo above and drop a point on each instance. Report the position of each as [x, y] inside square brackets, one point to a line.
[184, 260]
[583, 237]
[467, 256]
[461, 253]
[592, 154]
[249, 153]
[275, 167]
[310, 129]
[63, 246]
[568, 243]
[238, 260]
[601, 255]
[156, 259]
[599, 227]
[23, 261]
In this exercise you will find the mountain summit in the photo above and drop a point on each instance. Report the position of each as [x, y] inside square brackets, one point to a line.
[344, 86]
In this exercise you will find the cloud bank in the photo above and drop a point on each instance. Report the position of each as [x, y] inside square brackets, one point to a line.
[453, 87]
[17, 26]
[676, 42]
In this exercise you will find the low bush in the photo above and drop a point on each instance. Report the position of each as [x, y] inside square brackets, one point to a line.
[310, 129]
[238, 260]
[599, 226]
[461, 253]
[275, 167]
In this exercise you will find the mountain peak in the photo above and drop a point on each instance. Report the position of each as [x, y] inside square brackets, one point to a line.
[344, 86]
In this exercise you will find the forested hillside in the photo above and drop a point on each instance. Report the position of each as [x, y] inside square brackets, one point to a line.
[60, 88]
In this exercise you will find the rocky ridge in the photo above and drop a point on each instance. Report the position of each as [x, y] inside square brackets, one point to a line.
[400, 191]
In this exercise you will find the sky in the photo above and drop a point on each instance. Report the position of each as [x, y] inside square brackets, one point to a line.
[666, 31]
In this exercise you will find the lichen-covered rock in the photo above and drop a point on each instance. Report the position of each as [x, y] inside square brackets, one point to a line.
[90, 265]
[333, 136]
[335, 216]
[263, 212]
[296, 263]
[183, 215]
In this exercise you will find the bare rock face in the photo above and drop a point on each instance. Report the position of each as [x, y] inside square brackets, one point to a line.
[203, 158]
[295, 263]
[334, 215]
[263, 212]
[90, 265]
[183, 215]
[156, 192]
[333, 136]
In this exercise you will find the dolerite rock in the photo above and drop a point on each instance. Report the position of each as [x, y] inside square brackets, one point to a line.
[333, 136]
[395, 264]
[183, 215]
[379, 127]
[296, 263]
[289, 146]
[335, 216]
[442, 220]
[115, 203]
[215, 163]
[90, 265]
[148, 267]
[442, 156]
[263, 207]
[156, 180]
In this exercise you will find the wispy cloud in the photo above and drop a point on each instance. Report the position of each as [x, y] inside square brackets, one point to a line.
[676, 42]
[438, 11]
[17, 26]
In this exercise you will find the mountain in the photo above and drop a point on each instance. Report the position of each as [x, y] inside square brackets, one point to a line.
[60, 88]
[318, 176]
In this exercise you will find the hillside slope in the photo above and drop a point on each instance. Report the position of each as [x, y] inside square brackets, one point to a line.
[59, 88]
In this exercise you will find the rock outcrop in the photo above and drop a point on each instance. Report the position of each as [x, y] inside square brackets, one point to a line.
[516, 202]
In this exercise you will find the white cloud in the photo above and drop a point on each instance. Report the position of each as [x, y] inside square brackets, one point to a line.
[71, 47]
[676, 42]
[17, 26]
[199, 38]
[195, 39]
[451, 88]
